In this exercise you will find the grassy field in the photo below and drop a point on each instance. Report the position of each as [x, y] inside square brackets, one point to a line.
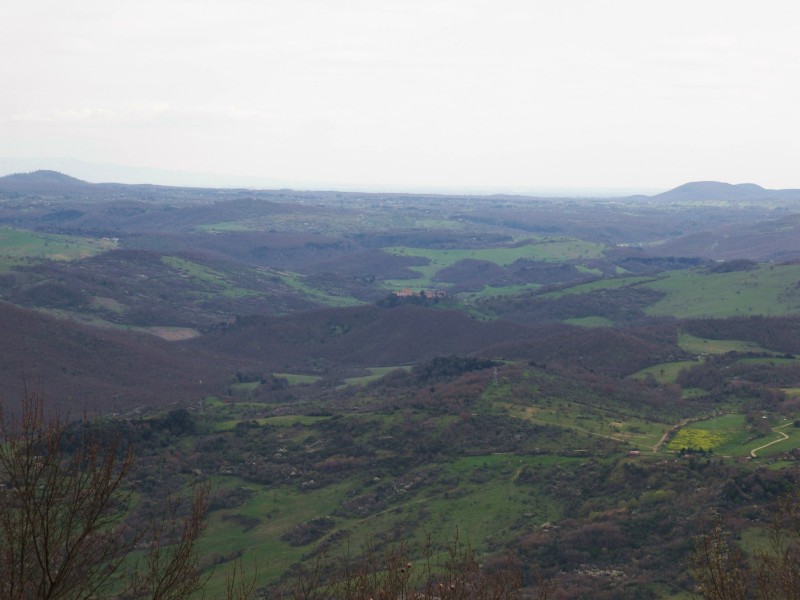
[768, 290]
[334, 223]
[590, 420]
[295, 281]
[280, 421]
[729, 435]
[697, 345]
[540, 249]
[590, 322]
[477, 494]
[17, 244]
[600, 284]
[213, 279]
[489, 291]
[298, 379]
[375, 373]
[666, 372]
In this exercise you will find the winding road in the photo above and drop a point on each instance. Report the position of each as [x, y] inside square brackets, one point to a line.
[775, 429]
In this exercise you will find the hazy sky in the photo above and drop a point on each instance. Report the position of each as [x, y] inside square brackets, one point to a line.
[500, 93]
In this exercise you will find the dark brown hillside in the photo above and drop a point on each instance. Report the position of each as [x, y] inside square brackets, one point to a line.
[361, 336]
[471, 275]
[137, 287]
[781, 334]
[774, 239]
[84, 368]
[617, 352]
[623, 305]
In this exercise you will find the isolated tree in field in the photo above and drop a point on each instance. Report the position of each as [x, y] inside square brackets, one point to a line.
[62, 517]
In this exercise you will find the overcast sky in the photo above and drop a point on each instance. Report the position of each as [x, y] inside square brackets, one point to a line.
[456, 93]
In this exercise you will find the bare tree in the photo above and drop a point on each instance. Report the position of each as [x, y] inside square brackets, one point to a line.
[168, 570]
[771, 572]
[392, 574]
[62, 510]
[718, 567]
[777, 566]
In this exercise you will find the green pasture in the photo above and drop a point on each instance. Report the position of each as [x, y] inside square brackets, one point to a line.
[783, 438]
[87, 319]
[590, 420]
[215, 280]
[697, 345]
[248, 386]
[666, 372]
[539, 249]
[279, 421]
[694, 293]
[332, 223]
[108, 304]
[18, 244]
[295, 281]
[480, 497]
[729, 435]
[594, 415]
[599, 284]
[216, 410]
[486, 500]
[590, 322]
[589, 270]
[438, 224]
[726, 434]
[298, 378]
[489, 291]
[228, 227]
[769, 360]
[276, 510]
[293, 420]
[375, 373]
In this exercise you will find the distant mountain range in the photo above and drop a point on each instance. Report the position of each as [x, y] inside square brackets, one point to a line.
[54, 182]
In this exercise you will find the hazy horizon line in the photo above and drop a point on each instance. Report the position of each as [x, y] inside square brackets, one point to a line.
[112, 173]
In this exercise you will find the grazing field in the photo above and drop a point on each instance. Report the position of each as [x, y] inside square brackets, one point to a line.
[215, 281]
[698, 345]
[511, 290]
[587, 421]
[298, 378]
[539, 249]
[17, 244]
[297, 282]
[731, 435]
[484, 499]
[375, 373]
[590, 322]
[666, 372]
[766, 290]
[600, 284]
